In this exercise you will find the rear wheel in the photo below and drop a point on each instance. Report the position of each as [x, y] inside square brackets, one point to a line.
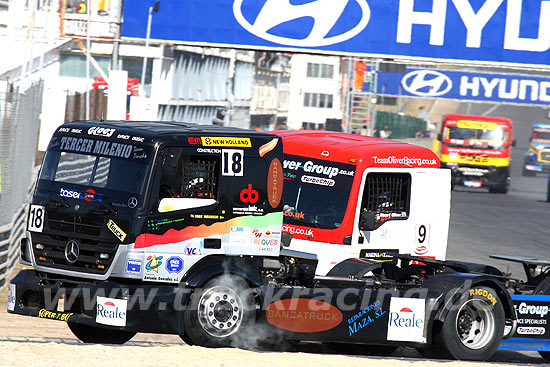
[92, 334]
[473, 328]
[528, 173]
[219, 313]
[545, 354]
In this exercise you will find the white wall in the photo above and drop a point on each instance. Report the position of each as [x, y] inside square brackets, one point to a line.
[301, 84]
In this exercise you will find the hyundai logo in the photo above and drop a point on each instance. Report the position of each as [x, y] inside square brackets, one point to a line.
[427, 83]
[324, 13]
[72, 251]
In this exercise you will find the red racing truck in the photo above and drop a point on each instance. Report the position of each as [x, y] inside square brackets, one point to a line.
[477, 150]
[357, 196]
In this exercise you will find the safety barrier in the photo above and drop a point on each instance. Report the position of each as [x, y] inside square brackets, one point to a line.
[10, 235]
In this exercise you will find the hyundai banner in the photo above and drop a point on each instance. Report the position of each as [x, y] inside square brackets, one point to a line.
[503, 31]
[466, 86]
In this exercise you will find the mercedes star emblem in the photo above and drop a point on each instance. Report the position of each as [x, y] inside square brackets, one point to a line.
[72, 251]
[132, 202]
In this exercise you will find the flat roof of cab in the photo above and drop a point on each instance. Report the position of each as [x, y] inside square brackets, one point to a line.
[156, 128]
[344, 148]
[455, 116]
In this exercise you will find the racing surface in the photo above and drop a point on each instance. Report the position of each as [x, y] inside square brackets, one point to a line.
[511, 224]
[481, 224]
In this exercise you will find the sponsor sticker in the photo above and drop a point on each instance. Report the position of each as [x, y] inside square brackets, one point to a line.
[101, 131]
[53, 315]
[111, 311]
[268, 147]
[467, 124]
[192, 249]
[221, 141]
[303, 315]
[406, 319]
[275, 183]
[153, 263]
[365, 317]
[174, 264]
[486, 294]
[11, 297]
[249, 195]
[119, 233]
[531, 309]
[531, 330]
[133, 267]
[239, 235]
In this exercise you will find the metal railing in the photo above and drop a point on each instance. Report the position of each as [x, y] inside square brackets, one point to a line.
[19, 128]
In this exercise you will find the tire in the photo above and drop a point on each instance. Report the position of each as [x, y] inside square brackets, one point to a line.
[186, 339]
[219, 314]
[528, 173]
[545, 354]
[473, 328]
[93, 334]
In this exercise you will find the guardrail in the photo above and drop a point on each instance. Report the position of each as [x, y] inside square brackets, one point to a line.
[10, 234]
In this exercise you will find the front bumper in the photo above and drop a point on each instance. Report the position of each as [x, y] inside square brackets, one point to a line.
[145, 308]
[477, 176]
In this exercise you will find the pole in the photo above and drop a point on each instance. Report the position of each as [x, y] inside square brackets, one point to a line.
[116, 44]
[88, 10]
[144, 68]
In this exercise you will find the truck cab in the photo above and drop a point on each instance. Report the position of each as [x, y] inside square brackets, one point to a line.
[537, 158]
[148, 201]
[351, 196]
[477, 150]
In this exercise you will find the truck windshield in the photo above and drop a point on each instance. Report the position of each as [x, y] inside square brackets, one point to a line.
[316, 192]
[491, 135]
[542, 135]
[97, 164]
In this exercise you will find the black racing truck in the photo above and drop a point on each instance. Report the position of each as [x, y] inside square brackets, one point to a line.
[176, 228]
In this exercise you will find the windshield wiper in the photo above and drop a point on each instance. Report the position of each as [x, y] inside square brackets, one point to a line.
[56, 198]
[107, 205]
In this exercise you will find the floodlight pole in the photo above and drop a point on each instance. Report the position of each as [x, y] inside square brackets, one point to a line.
[148, 35]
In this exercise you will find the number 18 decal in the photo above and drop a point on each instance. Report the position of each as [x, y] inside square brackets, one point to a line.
[232, 162]
[422, 238]
[36, 218]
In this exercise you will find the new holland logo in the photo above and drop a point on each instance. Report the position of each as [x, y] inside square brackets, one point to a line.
[427, 83]
[325, 15]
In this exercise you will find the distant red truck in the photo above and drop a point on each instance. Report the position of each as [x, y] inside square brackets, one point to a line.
[477, 150]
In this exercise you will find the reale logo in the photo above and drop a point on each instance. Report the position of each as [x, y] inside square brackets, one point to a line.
[326, 14]
[427, 83]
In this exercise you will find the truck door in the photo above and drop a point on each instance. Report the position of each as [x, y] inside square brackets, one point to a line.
[409, 213]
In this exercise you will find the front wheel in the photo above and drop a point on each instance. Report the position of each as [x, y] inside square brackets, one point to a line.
[473, 328]
[92, 334]
[219, 313]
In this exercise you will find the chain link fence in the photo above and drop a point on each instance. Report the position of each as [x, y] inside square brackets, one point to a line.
[19, 128]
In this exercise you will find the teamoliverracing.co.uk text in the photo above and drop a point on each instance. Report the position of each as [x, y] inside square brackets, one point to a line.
[294, 230]
[405, 160]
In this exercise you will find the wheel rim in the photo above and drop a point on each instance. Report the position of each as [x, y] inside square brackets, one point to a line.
[220, 311]
[475, 324]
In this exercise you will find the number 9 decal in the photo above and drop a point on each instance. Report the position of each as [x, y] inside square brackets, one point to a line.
[422, 238]
[36, 218]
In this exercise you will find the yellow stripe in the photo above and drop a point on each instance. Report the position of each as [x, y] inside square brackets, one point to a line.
[480, 161]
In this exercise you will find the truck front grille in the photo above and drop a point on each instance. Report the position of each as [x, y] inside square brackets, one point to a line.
[94, 257]
[545, 156]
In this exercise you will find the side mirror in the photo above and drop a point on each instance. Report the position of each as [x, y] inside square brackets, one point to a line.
[173, 204]
[514, 141]
[439, 136]
[367, 221]
[285, 239]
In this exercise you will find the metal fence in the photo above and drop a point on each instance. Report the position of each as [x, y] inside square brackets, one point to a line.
[19, 127]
